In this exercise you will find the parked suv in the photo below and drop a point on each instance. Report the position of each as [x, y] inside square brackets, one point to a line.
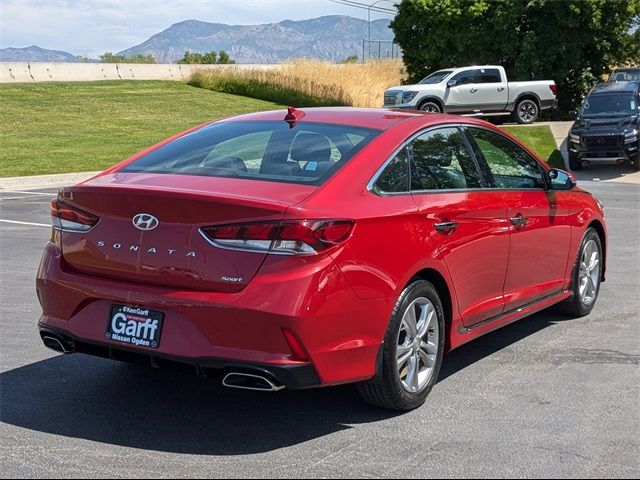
[625, 75]
[606, 127]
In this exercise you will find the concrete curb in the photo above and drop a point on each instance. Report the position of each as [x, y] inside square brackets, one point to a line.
[44, 181]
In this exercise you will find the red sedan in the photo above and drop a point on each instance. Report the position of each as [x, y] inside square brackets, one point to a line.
[317, 247]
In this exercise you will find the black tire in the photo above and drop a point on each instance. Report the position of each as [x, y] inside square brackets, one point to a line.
[574, 163]
[386, 390]
[574, 305]
[430, 107]
[526, 111]
[496, 119]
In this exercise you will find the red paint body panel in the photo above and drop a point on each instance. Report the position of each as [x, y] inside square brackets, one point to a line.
[337, 303]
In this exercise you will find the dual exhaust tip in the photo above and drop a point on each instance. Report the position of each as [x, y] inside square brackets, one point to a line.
[253, 382]
[238, 380]
[56, 344]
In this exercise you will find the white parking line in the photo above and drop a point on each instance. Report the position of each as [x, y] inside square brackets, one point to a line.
[22, 197]
[26, 223]
[29, 193]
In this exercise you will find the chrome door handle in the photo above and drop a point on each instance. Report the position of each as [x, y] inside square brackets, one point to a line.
[519, 221]
[501, 89]
[445, 227]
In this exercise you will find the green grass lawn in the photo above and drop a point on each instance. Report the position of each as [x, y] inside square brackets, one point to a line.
[88, 126]
[76, 127]
[540, 139]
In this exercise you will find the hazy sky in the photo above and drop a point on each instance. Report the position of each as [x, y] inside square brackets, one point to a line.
[91, 27]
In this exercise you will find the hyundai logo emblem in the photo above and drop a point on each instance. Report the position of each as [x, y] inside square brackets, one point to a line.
[145, 222]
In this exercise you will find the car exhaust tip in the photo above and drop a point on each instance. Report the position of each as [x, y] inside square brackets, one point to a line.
[254, 382]
[56, 344]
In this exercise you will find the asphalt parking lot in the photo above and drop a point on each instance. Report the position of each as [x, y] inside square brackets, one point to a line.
[548, 396]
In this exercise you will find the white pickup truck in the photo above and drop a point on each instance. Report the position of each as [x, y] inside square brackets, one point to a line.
[482, 91]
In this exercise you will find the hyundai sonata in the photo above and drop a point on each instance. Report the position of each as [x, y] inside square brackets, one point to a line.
[317, 247]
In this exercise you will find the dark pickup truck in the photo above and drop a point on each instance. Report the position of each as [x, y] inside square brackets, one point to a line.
[607, 126]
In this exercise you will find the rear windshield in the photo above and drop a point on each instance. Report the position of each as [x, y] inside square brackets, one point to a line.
[309, 153]
[609, 105]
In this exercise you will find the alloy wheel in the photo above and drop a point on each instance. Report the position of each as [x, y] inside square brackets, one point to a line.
[589, 278]
[417, 345]
[528, 111]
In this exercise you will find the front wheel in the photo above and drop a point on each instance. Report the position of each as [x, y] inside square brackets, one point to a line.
[412, 351]
[430, 107]
[587, 275]
[575, 163]
[526, 111]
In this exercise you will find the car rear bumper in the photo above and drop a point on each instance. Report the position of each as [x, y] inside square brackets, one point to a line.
[340, 334]
[293, 376]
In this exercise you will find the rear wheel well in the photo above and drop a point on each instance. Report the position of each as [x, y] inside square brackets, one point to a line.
[433, 100]
[437, 280]
[527, 96]
[599, 228]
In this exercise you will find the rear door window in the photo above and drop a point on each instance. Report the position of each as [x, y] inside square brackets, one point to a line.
[441, 161]
[490, 75]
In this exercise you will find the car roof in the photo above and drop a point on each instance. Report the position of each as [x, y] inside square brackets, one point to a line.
[627, 69]
[374, 118]
[614, 87]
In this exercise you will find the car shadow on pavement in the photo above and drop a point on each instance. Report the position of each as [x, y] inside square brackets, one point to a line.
[604, 172]
[103, 401]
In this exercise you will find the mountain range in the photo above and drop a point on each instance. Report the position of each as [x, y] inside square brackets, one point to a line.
[35, 54]
[331, 38]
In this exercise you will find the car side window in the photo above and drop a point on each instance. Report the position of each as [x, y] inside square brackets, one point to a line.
[441, 161]
[465, 77]
[507, 164]
[395, 177]
[490, 75]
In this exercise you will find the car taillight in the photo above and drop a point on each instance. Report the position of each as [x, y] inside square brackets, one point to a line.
[284, 238]
[554, 88]
[68, 218]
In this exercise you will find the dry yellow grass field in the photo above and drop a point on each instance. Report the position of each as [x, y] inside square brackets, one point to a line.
[362, 83]
[309, 82]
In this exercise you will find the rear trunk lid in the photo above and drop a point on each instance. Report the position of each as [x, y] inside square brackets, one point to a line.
[173, 253]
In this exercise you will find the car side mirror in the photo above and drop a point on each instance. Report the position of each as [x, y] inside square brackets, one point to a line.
[452, 83]
[561, 180]
[573, 114]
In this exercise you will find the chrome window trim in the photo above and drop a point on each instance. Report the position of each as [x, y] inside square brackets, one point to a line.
[462, 127]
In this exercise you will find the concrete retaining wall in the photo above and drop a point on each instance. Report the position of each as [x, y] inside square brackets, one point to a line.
[20, 72]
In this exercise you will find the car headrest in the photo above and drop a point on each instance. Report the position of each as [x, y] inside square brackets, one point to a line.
[228, 163]
[311, 147]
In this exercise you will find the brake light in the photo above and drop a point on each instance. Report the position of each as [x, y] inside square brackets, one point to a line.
[283, 238]
[554, 88]
[68, 218]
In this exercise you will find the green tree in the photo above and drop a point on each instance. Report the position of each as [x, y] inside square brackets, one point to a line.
[225, 59]
[573, 42]
[109, 57]
[209, 58]
[351, 59]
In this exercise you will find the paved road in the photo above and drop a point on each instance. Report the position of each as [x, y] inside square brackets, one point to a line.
[546, 397]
